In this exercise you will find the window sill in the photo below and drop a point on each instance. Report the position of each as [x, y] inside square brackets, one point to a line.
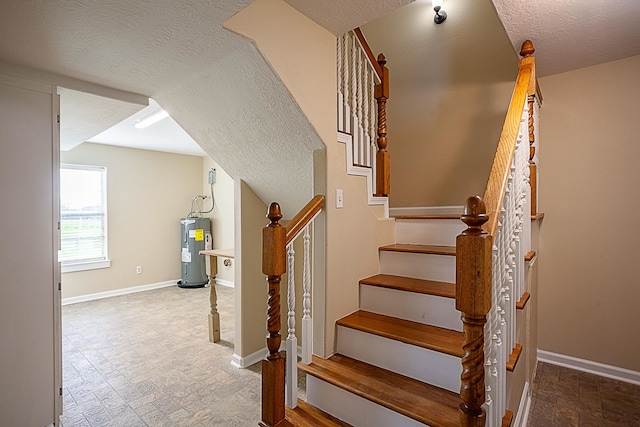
[83, 266]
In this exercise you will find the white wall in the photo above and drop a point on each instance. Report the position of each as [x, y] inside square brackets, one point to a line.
[147, 194]
[30, 359]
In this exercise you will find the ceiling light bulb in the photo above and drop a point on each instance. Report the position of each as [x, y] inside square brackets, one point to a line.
[151, 118]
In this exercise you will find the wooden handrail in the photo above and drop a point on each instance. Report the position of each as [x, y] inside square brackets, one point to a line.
[474, 248]
[496, 184]
[302, 218]
[369, 52]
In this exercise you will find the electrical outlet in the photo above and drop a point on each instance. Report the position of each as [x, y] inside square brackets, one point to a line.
[212, 176]
[139, 269]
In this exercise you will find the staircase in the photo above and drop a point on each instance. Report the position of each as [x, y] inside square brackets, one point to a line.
[437, 329]
[398, 357]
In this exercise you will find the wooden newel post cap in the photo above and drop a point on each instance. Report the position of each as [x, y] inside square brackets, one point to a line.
[474, 213]
[527, 49]
[274, 238]
[274, 213]
[382, 60]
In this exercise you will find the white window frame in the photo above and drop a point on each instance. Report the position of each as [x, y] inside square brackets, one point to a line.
[96, 263]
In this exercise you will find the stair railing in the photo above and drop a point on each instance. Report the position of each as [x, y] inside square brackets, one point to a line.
[278, 258]
[363, 90]
[490, 259]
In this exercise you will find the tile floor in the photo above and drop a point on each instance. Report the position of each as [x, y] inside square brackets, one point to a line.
[145, 360]
[569, 398]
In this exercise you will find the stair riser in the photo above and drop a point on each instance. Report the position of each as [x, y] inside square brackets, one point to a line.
[353, 409]
[422, 364]
[441, 232]
[419, 266]
[426, 309]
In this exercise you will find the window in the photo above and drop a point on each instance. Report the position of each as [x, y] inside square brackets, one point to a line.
[83, 217]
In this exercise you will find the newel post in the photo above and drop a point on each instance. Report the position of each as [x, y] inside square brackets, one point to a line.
[526, 51]
[473, 299]
[273, 366]
[381, 93]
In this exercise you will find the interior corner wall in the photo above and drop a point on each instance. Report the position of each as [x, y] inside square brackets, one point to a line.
[303, 54]
[222, 217]
[147, 194]
[444, 122]
[250, 285]
[589, 150]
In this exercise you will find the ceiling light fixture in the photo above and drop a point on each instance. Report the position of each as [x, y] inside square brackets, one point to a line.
[151, 118]
[441, 15]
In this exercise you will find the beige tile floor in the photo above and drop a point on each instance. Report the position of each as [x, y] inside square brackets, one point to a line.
[567, 398]
[145, 360]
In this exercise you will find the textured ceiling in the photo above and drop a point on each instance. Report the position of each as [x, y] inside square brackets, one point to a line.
[572, 34]
[219, 88]
[214, 83]
[339, 16]
[84, 115]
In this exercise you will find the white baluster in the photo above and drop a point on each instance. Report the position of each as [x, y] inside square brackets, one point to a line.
[340, 71]
[292, 342]
[366, 141]
[345, 81]
[354, 97]
[307, 322]
[361, 81]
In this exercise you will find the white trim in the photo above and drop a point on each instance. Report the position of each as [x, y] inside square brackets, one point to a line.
[596, 368]
[427, 210]
[117, 292]
[347, 139]
[244, 362]
[83, 266]
[523, 409]
[227, 283]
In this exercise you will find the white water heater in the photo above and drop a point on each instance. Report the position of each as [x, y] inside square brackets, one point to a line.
[193, 232]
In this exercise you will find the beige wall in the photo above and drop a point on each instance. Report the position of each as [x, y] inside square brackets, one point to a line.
[250, 285]
[354, 233]
[222, 217]
[589, 286]
[450, 86]
[147, 193]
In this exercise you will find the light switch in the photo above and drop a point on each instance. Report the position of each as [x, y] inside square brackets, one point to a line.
[339, 202]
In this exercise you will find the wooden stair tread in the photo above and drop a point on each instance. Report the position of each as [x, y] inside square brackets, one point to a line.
[445, 216]
[409, 284]
[514, 357]
[507, 419]
[420, 249]
[420, 401]
[523, 301]
[308, 415]
[426, 336]
[530, 255]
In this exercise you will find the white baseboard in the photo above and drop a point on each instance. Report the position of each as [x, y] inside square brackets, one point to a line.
[596, 368]
[244, 362]
[523, 409]
[427, 210]
[117, 292]
[227, 283]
